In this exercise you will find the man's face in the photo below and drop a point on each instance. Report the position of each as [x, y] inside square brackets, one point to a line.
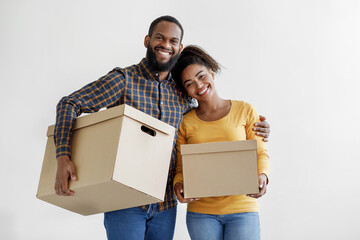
[164, 46]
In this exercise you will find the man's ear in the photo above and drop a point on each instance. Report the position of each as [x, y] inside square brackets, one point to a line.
[181, 47]
[146, 41]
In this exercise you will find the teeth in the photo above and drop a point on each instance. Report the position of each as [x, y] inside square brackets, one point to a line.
[164, 53]
[203, 91]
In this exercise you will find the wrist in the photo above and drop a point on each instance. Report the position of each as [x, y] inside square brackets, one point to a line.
[63, 158]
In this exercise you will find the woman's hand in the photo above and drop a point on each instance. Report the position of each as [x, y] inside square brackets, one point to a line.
[262, 187]
[179, 191]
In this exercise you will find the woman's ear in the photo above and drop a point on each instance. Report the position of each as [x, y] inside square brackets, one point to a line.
[212, 73]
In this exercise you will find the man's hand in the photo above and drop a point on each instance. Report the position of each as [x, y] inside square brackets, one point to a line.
[179, 190]
[65, 171]
[262, 187]
[262, 128]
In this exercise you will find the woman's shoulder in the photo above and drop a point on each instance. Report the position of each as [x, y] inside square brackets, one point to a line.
[241, 105]
[189, 115]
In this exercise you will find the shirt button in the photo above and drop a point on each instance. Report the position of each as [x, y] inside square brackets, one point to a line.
[161, 103]
[157, 74]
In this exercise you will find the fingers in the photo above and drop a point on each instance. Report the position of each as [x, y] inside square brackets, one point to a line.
[262, 127]
[57, 189]
[72, 172]
[264, 135]
[262, 118]
[62, 188]
[65, 188]
[253, 195]
[262, 187]
[258, 195]
[179, 191]
[65, 172]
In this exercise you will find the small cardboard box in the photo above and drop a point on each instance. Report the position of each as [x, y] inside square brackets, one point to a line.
[220, 168]
[122, 159]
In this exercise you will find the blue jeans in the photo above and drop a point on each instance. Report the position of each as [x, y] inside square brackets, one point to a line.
[137, 224]
[223, 227]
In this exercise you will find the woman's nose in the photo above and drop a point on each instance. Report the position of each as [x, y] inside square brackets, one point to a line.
[199, 84]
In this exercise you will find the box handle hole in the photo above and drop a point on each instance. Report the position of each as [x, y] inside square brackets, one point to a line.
[148, 131]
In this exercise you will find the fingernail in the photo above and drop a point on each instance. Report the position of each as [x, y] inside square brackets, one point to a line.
[255, 129]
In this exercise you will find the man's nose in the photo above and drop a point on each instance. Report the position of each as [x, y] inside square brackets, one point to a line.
[166, 44]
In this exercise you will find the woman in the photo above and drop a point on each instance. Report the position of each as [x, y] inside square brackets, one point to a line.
[215, 120]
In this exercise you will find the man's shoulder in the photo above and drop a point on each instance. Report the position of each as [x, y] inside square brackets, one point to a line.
[131, 68]
[123, 72]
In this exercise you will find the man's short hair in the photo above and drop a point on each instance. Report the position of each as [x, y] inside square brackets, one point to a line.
[167, 19]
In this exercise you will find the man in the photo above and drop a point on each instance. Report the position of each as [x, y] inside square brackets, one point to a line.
[147, 86]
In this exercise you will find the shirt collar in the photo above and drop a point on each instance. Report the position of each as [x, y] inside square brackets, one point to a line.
[148, 71]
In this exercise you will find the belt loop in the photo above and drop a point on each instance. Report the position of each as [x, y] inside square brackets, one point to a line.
[149, 209]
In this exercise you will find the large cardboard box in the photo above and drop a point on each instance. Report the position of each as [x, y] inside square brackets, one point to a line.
[122, 159]
[220, 168]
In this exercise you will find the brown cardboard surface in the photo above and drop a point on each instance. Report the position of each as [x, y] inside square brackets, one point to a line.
[220, 169]
[118, 165]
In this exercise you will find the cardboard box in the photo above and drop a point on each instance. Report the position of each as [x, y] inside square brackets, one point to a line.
[122, 159]
[220, 168]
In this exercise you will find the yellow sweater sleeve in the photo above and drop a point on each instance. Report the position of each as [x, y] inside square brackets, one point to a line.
[263, 158]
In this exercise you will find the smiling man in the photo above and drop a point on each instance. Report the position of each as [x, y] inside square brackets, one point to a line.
[149, 87]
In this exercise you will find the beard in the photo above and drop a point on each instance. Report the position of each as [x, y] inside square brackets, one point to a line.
[160, 67]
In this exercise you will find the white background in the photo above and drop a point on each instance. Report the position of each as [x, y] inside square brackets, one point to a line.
[296, 61]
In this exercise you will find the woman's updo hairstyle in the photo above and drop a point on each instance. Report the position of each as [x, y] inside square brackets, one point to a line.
[193, 55]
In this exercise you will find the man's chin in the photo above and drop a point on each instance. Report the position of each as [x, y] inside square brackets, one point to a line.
[163, 60]
[161, 63]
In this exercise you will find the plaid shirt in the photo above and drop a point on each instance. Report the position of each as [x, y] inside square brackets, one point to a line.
[138, 86]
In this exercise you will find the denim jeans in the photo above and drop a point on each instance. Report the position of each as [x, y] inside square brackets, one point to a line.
[137, 224]
[235, 226]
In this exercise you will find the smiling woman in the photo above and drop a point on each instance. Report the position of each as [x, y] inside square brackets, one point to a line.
[216, 119]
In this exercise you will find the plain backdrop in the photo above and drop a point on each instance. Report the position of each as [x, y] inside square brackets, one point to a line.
[297, 62]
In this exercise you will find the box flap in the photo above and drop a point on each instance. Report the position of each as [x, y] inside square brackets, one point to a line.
[90, 119]
[117, 111]
[218, 147]
[148, 120]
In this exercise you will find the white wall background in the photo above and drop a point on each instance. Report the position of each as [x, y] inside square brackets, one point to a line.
[297, 61]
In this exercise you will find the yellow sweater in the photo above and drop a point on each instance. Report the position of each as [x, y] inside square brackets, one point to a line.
[236, 125]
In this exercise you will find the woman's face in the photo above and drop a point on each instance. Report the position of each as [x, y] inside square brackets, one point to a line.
[198, 82]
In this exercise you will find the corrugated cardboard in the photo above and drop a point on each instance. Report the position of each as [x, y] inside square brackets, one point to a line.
[118, 164]
[220, 168]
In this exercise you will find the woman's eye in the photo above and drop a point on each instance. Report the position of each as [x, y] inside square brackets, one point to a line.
[202, 76]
